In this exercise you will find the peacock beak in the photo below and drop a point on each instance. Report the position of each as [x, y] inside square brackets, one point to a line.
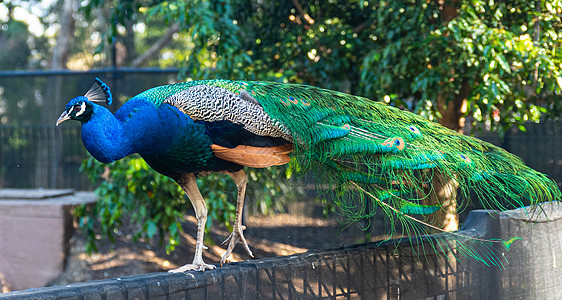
[63, 117]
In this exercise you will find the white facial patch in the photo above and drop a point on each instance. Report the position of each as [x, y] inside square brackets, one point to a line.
[82, 109]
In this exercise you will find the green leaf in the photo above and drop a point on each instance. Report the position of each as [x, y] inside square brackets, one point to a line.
[503, 62]
[151, 228]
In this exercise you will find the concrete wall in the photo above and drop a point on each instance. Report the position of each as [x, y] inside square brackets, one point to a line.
[535, 262]
[35, 226]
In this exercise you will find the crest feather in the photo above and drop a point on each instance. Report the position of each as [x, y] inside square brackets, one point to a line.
[99, 92]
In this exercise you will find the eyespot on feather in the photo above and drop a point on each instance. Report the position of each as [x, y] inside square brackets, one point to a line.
[395, 142]
[465, 158]
[414, 130]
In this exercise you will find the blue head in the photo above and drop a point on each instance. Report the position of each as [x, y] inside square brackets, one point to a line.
[81, 108]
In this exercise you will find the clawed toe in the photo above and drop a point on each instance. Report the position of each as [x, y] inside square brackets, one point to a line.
[234, 238]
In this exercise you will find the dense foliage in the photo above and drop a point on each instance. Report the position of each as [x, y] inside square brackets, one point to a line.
[497, 61]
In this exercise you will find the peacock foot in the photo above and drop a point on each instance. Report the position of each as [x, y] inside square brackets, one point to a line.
[193, 267]
[235, 237]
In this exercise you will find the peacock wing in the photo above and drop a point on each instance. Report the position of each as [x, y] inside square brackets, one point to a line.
[241, 130]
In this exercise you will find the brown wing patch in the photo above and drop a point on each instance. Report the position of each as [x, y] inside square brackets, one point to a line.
[255, 157]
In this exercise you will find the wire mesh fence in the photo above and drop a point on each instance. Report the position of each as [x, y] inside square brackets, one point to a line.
[25, 159]
[356, 272]
[540, 146]
[33, 152]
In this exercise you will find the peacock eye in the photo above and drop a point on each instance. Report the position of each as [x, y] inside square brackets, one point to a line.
[77, 108]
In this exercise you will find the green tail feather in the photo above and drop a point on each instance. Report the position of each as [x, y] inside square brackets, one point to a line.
[444, 243]
[373, 153]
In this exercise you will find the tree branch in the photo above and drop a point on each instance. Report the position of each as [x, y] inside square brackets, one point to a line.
[156, 47]
[65, 36]
[359, 28]
[304, 15]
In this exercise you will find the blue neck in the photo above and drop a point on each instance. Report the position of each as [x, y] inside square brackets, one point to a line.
[136, 127]
[104, 137]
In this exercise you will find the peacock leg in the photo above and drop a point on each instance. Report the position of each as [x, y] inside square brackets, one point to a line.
[236, 236]
[189, 185]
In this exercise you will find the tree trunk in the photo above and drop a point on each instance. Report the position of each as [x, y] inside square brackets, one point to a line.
[65, 36]
[444, 189]
[49, 159]
[452, 111]
[128, 41]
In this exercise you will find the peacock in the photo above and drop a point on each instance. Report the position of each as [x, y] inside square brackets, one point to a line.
[372, 157]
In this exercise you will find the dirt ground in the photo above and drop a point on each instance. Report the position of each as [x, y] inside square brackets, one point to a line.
[267, 236]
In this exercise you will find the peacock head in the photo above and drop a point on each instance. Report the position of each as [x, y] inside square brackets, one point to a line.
[81, 108]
